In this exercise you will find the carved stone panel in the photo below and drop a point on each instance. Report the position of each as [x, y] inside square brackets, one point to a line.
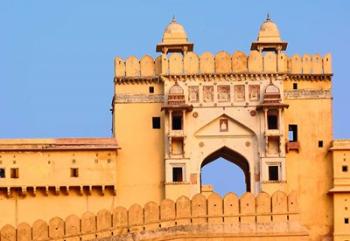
[239, 93]
[208, 94]
[223, 93]
[254, 92]
[193, 94]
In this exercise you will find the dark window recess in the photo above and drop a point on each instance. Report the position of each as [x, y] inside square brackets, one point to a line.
[156, 122]
[14, 173]
[273, 173]
[177, 121]
[272, 122]
[295, 86]
[151, 89]
[320, 143]
[293, 133]
[2, 172]
[344, 168]
[74, 172]
[177, 174]
[346, 220]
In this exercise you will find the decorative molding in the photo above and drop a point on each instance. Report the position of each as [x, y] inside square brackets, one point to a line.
[308, 94]
[138, 98]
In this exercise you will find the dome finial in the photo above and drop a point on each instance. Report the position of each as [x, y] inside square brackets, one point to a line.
[268, 18]
[173, 20]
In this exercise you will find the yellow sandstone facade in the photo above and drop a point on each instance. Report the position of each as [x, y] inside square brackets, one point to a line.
[266, 112]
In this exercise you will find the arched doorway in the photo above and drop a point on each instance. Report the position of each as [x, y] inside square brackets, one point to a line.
[235, 158]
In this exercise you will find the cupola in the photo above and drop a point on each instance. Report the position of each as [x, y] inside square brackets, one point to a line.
[269, 38]
[174, 39]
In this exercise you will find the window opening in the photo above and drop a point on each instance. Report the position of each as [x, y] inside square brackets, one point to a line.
[295, 86]
[2, 172]
[74, 172]
[272, 119]
[151, 89]
[177, 174]
[320, 143]
[273, 173]
[14, 173]
[346, 220]
[292, 133]
[156, 122]
[345, 168]
[177, 121]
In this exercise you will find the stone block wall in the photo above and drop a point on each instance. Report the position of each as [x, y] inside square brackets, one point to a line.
[263, 214]
[222, 63]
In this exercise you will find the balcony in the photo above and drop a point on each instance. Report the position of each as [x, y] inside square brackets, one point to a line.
[292, 146]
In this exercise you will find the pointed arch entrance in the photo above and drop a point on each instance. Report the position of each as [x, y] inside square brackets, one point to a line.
[233, 157]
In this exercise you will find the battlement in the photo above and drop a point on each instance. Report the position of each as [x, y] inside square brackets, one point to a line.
[223, 63]
[256, 216]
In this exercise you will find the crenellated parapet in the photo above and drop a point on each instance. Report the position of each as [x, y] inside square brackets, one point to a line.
[256, 216]
[222, 63]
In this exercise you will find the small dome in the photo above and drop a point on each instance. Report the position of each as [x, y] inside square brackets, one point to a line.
[174, 33]
[269, 32]
[272, 89]
[176, 89]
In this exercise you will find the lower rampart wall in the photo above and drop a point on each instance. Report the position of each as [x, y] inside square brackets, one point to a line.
[230, 217]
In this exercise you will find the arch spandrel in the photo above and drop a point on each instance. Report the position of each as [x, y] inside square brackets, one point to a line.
[234, 128]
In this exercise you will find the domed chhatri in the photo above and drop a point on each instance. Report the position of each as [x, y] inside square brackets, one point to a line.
[269, 31]
[269, 38]
[174, 39]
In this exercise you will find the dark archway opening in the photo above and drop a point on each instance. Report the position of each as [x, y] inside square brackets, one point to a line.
[229, 165]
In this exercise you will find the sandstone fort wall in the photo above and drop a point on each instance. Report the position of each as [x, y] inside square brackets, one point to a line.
[223, 62]
[250, 214]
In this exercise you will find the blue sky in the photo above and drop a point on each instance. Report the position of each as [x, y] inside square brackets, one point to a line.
[56, 57]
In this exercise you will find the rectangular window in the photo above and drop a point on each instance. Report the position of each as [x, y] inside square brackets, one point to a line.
[176, 123]
[295, 86]
[320, 143]
[151, 89]
[74, 172]
[2, 172]
[177, 174]
[14, 173]
[273, 173]
[344, 168]
[293, 133]
[272, 119]
[346, 220]
[156, 122]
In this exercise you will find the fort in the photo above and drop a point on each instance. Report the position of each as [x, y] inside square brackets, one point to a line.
[268, 113]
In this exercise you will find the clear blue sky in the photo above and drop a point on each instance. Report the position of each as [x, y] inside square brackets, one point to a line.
[56, 57]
